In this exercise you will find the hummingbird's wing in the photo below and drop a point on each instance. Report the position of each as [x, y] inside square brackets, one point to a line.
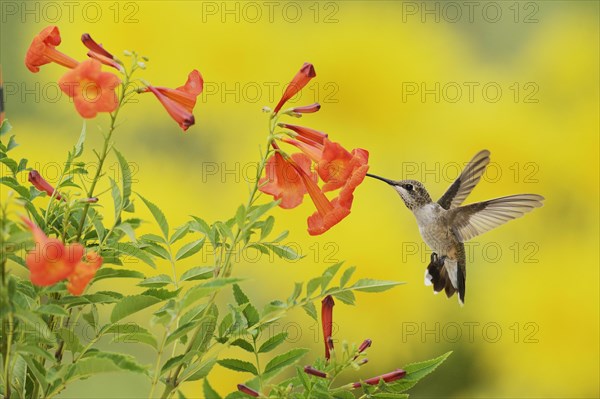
[472, 220]
[464, 184]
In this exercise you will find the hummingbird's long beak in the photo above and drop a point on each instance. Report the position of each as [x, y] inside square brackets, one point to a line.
[388, 181]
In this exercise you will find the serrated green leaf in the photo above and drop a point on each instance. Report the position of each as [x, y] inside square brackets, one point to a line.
[209, 392]
[179, 233]
[197, 273]
[245, 345]
[296, 293]
[159, 216]
[180, 331]
[35, 351]
[416, 371]
[107, 272]
[346, 276]
[273, 342]
[202, 372]
[312, 285]
[370, 285]
[190, 249]
[130, 305]
[285, 359]
[127, 229]
[267, 227]
[125, 176]
[310, 310]
[171, 363]
[117, 197]
[240, 216]
[156, 282]
[328, 275]
[283, 251]
[52, 310]
[346, 297]
[257, 211]
[238, 365]
[78, 149]
[205, 289]
[135, 252]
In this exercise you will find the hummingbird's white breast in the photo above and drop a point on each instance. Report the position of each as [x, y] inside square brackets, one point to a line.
[433, 228]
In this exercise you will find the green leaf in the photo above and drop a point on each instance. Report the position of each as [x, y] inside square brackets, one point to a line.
[283, 251]
[267, 227]
[133, 334]
[52, 310]
[245, 345]
[190, 249]
[35, 351]
[38, 325]
[71, 340]
[328, 275]
[127, 229]
[130, 305]
[159, 216]
[135, 252]
[250, 312]
[124, 362]
[171, 363]
[126, 176]
[5, 127]
[107, 272]
[257, 211]
[310, 310]
[238, 365]
[283, 360]
[197, 273]
[416, 371]
[209, 392]
[117, 198]
[179, 233]
[370, 285]
[346, 276]
[205, 289]
[312, 285]
[273, 342]
[78, 149]
[156, 282]
[240, 216]
[346, 296]
[296, 294]
[202, 372]
[180, 331]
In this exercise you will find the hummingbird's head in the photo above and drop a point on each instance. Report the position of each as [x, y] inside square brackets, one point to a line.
[412, 192]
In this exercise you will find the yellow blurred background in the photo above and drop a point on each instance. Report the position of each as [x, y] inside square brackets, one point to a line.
[423, 86]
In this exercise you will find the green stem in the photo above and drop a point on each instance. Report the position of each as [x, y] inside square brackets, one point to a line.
[105, 149]
[225, 270]
[157, 365]
[9, 337]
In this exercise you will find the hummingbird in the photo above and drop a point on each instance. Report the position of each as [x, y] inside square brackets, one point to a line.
[446, 225]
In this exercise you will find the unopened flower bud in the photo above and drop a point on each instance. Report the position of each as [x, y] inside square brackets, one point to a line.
[248, 391]
[312, 371]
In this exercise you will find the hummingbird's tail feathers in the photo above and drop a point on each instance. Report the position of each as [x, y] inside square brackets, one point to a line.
[472, 220]
[466, 182]
[438, 276]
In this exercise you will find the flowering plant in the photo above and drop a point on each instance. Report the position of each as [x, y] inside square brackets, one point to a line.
[72, 243]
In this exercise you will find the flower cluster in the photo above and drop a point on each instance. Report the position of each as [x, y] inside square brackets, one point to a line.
[94, 91]
[289, 177]
[51, 261]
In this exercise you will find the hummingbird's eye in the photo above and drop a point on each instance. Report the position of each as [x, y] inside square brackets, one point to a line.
[408, 187]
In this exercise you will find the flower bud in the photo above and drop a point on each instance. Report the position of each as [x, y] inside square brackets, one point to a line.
[248, 391]
[317, 373]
